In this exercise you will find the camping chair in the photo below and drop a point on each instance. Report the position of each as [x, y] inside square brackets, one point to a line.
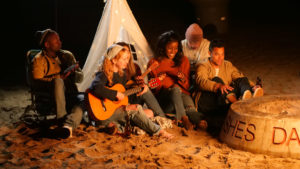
[42, 105]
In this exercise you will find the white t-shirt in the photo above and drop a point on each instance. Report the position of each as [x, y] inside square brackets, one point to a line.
[217, 72]
[198, 55]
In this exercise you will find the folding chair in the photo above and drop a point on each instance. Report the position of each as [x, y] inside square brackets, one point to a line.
[42, 105]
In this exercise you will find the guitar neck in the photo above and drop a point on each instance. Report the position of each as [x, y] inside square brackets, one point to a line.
[138, 89]
[153, 83]
[132, 91]
[145, 73]
[153, 66]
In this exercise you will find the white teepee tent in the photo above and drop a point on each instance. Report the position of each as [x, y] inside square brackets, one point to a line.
[116, 24]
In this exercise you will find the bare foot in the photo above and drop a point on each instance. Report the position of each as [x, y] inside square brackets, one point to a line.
[186, 123]
[165, 134]
[202, 125]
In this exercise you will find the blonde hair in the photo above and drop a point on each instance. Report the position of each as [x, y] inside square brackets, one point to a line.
[107, 67]
[131, 69]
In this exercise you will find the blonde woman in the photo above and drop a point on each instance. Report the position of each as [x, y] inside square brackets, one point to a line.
[113, 72]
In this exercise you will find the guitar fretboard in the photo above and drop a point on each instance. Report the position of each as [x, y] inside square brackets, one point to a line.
[138, 89]
[153, 66]
[132, 91]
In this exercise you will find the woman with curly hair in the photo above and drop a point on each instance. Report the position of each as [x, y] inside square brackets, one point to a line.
[174, 69]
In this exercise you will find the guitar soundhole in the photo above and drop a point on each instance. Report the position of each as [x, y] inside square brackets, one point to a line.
[117, 102]
[103, 105]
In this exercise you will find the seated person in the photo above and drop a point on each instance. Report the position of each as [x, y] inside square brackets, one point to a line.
[48, 72]
[195, 48]
[219, 84]
[112, 73]
[135, 79]
[173, 93]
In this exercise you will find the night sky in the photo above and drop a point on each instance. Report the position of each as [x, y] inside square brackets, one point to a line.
[77, 21]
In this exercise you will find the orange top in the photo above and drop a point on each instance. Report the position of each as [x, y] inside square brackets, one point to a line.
[166, 65]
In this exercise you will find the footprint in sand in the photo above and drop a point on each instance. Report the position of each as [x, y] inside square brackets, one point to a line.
[85, 144]
[62, 155]
[198, 149]
[93, 152]
[4, 158]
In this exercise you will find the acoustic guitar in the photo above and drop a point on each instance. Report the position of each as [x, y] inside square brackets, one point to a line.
[102, 109]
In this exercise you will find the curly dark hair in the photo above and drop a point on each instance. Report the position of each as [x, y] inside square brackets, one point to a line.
[163, 40]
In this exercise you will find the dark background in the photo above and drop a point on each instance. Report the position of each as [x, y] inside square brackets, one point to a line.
[76, 22]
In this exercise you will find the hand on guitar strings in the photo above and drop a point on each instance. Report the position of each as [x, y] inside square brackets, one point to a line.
[120, 96]
[139, 80]
[181, 76]
[162, 76]
[145, 89]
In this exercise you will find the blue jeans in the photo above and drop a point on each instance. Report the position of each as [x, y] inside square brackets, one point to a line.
[137, 118]
[150, 101]
[214, 103]
[182, 103]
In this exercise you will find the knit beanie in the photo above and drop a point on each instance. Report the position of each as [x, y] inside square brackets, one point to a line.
[193, 33]
[112, 51]
[41, 35]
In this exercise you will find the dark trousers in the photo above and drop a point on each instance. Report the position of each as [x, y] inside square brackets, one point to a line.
[65, 101]
[214, 105]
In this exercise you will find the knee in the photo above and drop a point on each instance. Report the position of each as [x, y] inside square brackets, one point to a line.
[190, 108]
[242, 79]
[176, 90]
[149, 113]
[138, 111]
[142, 112]
[218, 80]
[58, 83]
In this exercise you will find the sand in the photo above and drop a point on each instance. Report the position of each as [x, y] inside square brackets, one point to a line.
[22, 147]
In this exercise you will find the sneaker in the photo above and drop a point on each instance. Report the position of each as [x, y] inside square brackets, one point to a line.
[111, 129]
[63, 132]
[258, 92]
[247, 95]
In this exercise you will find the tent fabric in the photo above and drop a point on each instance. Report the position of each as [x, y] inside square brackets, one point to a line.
[117, 24]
